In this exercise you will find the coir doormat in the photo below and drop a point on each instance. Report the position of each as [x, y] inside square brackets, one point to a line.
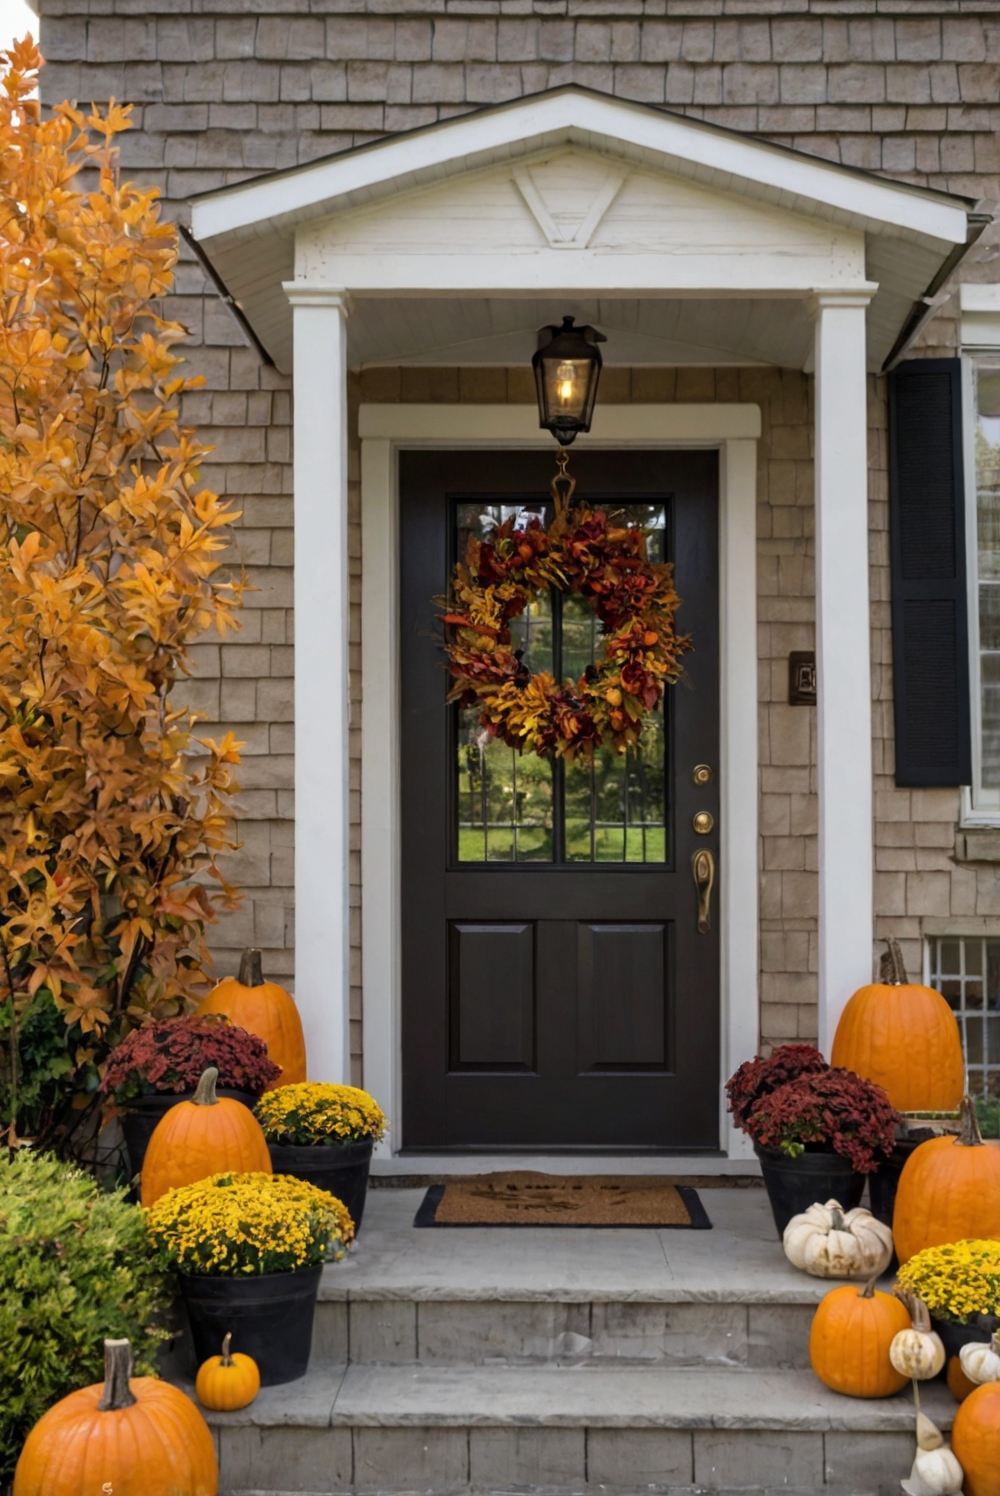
[531, 1199]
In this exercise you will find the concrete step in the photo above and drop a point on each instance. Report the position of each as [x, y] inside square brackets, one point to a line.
[481, 1332]
[448, 1430]
[479, 1296]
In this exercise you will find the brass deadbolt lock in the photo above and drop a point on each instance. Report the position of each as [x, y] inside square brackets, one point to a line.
[703, 822]
[701, 774]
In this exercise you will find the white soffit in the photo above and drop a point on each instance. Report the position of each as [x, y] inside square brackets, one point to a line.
[247, 232]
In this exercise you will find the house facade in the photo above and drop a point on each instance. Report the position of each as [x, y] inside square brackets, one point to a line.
[783, 226]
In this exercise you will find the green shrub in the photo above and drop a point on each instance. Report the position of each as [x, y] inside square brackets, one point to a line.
[75, 1266]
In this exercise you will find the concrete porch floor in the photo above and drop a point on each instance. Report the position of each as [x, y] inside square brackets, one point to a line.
[739, 1261]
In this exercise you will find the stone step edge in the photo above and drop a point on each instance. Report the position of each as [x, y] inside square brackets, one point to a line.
[692, 1397]
[595, 1489]
[809, 1293]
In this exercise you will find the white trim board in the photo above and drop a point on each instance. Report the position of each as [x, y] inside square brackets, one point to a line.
[384, 429]
[420, 1165]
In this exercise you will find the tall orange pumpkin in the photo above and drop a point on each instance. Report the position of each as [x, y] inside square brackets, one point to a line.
[138, 1437]
[203, 1136]
[849, 1342]
[949, 1190]
[265, 1009]
[905, 1038]
[975, 1438]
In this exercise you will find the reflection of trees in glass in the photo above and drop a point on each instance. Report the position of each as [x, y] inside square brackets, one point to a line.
[614, 809]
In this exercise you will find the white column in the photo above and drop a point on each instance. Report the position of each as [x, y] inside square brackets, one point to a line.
[322, 705]
[843, 656]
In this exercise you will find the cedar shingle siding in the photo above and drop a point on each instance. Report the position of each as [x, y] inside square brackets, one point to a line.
[232, 89]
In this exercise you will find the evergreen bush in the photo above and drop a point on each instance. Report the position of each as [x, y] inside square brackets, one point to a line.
[76, 1265]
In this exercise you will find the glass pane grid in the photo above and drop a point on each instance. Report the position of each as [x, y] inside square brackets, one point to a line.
[517, 808]
[966, 971]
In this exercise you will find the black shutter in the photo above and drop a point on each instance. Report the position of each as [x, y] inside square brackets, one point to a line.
[930, 636]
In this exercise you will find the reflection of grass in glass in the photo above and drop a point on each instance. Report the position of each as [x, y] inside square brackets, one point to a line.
[505, 801]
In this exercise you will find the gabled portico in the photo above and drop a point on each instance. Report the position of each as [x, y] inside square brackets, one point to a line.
[687, 245]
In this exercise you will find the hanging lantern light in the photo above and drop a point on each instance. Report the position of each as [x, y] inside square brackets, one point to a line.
[567, 369]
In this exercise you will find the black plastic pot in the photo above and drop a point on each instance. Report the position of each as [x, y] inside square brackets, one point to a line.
[793, 1184]
[981, 1329]
[341, 1168]
[140, 1117]
[882, 1185]
[270, 1318]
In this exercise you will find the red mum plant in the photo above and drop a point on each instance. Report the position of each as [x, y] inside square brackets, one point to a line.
[832, 1108]
[759, 1077]
[169, 1057]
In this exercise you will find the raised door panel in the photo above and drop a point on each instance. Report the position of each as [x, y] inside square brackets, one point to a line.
[492, 991]
[623, 996]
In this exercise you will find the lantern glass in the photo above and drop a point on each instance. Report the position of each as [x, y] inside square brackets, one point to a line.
[567, 368]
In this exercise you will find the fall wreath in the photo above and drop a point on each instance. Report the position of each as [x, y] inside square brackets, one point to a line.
[580, 552]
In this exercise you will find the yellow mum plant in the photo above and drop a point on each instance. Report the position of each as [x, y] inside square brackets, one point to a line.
[956, 1281]
[245, 1224]
[311, 1112]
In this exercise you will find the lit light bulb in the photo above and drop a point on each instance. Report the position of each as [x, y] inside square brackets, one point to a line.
[565, 380]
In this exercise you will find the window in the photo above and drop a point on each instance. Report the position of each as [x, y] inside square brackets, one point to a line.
[966, 971]
[984, 590]
[522, 808]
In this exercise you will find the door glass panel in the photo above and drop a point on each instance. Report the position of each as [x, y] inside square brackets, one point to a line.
[520, 808]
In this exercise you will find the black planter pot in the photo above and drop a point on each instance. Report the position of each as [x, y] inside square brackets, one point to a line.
[140, 1117]
[270, 1318]
[793, 1184]
[341, 1168]
[882, 1185]
[981, 1328]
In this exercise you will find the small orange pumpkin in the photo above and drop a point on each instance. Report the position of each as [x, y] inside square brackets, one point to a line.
[949, 1190]
[849, 1342]
[975, 1438]
[138, 1437]
[203, 1136]
[958, 1383]
[265, 1009]
[227, 1382]
[904, 1037]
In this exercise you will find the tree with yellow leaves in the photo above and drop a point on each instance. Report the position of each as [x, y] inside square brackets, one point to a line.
[112, 812]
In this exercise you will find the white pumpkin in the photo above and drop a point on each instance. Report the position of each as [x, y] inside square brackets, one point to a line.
[981, 1363]
[936, 1471]
[830, 1242]
[917, 1352]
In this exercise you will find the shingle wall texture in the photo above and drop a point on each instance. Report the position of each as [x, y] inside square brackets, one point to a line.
[226, 89]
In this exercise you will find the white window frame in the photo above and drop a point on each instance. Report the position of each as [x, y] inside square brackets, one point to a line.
[980, 306]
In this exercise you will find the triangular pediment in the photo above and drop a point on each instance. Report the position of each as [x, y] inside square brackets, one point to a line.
[573, 194]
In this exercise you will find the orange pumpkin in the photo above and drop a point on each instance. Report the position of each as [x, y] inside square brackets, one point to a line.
[904, 1038]
[975, 1438]
[138, 1437]
[227, 1382]
[203, 1136]
[267, 1010]
[849, 1342]
[958, 1383]
[949, 1190]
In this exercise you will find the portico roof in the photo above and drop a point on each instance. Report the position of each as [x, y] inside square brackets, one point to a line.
[457, 240]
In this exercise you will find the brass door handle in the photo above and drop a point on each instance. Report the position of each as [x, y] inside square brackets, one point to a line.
[703, 868]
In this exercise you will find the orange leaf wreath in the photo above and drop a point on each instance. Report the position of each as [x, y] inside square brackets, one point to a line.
[633, 597]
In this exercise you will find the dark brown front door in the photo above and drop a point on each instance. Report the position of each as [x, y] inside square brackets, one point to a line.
[557, 992]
